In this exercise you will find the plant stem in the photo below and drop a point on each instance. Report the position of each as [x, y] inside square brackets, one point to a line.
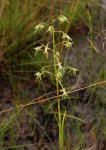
[57, 89]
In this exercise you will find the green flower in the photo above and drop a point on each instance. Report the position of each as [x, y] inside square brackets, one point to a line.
[60, 72]
[59, 76]
[46, 50]
[62, 19]
[65, 94]
[38, 49]
[65, 36]
[39, 27]
[61, 68]
[74, 71]
[68, 44]
[51, 30]
[39, 76]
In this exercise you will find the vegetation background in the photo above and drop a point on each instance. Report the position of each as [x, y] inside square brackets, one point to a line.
[28, 109]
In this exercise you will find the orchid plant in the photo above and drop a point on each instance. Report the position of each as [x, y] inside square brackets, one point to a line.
[59, 70]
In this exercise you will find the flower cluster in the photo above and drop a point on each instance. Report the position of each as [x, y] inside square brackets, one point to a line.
[67, 40]
[59, 70]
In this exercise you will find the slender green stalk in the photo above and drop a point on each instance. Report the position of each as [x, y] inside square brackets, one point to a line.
[57, 88]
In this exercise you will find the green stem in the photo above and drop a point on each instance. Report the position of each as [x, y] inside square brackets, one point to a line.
[57, 88]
